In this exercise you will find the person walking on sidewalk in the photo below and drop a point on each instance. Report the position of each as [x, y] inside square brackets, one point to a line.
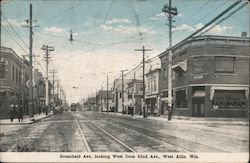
[12, 112]
[20, 114]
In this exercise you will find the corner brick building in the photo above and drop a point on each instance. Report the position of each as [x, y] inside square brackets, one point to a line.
[210, 77]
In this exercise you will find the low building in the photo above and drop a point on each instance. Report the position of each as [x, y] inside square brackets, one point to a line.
[118, 101]
[104, 101]
[210, 77]
[39, 89]
[13, 82]
[134, 92]
[152, 91]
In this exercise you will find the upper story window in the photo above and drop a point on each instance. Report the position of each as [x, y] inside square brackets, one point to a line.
[198, 65]
[224, 64]
[13, 73]
[17, 73]
[154, 83]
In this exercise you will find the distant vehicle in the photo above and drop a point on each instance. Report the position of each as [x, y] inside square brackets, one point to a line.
[58, 110]
[73, 107]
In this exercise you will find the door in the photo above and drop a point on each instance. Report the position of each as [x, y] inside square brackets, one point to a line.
[198, 107]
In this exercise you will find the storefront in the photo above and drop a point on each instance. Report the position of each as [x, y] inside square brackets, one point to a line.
[152, 102]
[229, 101]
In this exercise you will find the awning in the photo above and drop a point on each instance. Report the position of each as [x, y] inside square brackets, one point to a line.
[212, 90]
[199, 94]
[182, 65]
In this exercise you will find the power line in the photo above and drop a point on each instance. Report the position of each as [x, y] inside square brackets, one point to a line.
[15, 32]
[220, 21]
[15, 40]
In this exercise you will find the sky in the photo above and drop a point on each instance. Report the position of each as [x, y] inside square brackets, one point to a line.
[106, 34]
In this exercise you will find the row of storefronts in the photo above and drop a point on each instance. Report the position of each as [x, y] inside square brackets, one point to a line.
[14, 84]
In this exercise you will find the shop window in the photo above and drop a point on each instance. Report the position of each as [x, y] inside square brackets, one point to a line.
[229, 99]
[181, 100]
[224, 64]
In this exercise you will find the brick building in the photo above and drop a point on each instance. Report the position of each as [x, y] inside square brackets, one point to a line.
[14, 75]
[210, 77]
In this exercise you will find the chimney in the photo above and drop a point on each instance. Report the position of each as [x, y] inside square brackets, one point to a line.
[244, 34]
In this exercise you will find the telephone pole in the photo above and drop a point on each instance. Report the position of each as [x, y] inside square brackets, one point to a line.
[53, 83]
[101, 99]
[30, 26]
[58, 91]
[143, 78]
[170, 12]
[47, 49]
[1, 34]
[122, 94]
[107, 93]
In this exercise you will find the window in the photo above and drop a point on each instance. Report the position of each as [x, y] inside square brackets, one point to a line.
[120, 95]
[20, 76]
[229, 99]
[198, 65]
[17, 75]
[164, 73]
[148, 84]
[181, 101]
[224, 64]
[13, 73]
[154, 83]
[151, 84]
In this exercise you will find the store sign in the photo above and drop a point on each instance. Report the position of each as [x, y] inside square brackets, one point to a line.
[198, 77]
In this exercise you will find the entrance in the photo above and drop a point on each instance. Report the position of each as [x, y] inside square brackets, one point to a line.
[198, 107]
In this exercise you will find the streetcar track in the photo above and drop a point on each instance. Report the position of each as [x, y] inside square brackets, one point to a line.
[110, 135]
[133, 130]
[82, 135]
[170, 136]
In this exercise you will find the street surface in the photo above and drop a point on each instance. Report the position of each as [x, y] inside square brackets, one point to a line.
[102, 132]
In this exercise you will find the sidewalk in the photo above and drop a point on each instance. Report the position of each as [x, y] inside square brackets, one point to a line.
[26, 119]
[193, 120]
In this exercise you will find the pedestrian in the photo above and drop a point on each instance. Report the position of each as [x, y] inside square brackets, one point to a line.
[20, 114]
[39, 109]
[11, 112]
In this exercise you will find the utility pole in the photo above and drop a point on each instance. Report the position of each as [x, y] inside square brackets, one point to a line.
[58, 91]
[122, 94]
[1, 34]
[107, 93]
[101, 99]
[96, 99]
[53, 83]
[133, 96]
[30, 26]
[143, 78]
[47, 49]
[170, 12]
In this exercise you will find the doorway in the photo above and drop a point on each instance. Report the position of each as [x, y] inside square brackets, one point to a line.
[198, 107]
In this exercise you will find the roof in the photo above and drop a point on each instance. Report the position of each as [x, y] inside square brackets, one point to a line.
[206, 37]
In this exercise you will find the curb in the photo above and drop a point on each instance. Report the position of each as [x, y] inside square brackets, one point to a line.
[25, 123]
